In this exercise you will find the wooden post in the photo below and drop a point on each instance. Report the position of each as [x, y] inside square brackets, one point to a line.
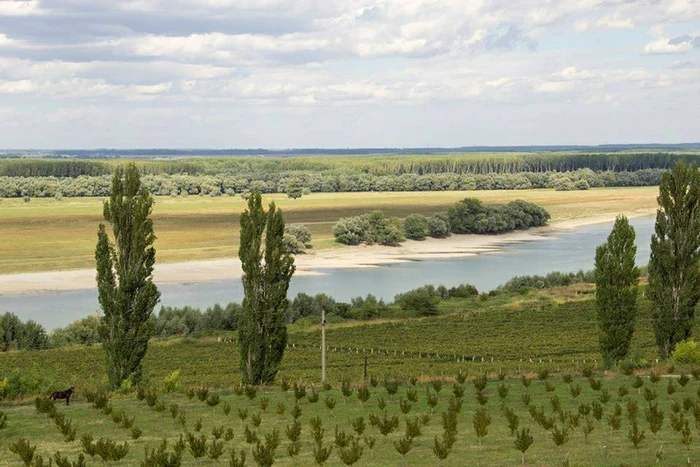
[323, 345]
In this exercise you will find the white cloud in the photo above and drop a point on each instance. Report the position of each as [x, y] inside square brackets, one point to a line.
[19, 7]
[552, 86]
[16, 87]
[572, 73]
[604, 22]
[665, 46]
[304, 57]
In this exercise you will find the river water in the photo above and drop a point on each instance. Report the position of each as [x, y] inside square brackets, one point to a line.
[567, 251]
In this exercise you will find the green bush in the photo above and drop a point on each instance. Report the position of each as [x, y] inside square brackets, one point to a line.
[687, 353]
[369, 228]
[21, 383]
[82, 332]
[439, 225]
[420, 301]
[297, 238]
[416, 227]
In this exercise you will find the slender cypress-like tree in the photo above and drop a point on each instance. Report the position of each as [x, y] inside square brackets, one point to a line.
[616, 291]
[262, 330]
[674, 278]
[125, 286]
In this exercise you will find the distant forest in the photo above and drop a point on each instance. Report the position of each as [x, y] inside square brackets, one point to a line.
[566, 170]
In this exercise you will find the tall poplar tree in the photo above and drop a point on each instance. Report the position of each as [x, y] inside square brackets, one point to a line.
[674, 278]
[125, 286]
[262, 331]
[616, 291]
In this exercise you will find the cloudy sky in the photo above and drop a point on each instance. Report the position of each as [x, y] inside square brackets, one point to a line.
[347, 73]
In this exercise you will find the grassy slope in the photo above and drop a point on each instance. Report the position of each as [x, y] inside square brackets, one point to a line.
[557, 325]
[46, 234]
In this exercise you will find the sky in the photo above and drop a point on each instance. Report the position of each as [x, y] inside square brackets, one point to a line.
[347, 73]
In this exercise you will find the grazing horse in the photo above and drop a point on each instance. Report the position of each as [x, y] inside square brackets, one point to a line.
[63, 395]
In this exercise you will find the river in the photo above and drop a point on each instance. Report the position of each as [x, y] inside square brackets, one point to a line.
[566, 251]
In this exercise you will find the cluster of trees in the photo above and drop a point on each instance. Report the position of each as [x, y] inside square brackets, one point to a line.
[417, 227]
[297, 183]
[174, 321]
[553, 279]
[16, 335]
[369, 228]
[673, 271]
[424, 300]
[468, 216]
[81, 332]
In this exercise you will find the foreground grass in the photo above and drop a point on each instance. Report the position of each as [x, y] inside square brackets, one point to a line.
[604, 446]
[46, 234]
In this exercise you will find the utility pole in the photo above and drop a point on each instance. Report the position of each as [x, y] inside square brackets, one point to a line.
[323, 345]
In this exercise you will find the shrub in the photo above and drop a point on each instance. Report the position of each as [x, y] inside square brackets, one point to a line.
[170, 382]
[463, 291]
[159, 457]
[197, 444]
[202, 393]
[351, 454]
[369, 228]
[582, 184]
[291, 245]
[24, 450]
[213, 400]
[438, 225]
[264, 453]
[416, 227]
[523, 441]
[564, 184]
[687, 353]
[420, 301]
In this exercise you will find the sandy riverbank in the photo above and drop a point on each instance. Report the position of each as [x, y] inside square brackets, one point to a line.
[309, 264]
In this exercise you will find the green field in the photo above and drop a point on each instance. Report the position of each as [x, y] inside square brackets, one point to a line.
[46, 234]
[512, 329]
[604, 446]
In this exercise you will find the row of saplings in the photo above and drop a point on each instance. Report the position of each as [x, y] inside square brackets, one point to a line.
[351, 447]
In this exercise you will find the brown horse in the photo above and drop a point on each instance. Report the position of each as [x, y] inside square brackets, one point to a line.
[63, 395]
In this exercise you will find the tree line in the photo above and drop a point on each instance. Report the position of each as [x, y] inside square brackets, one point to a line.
[310, 182]
[419, 164]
